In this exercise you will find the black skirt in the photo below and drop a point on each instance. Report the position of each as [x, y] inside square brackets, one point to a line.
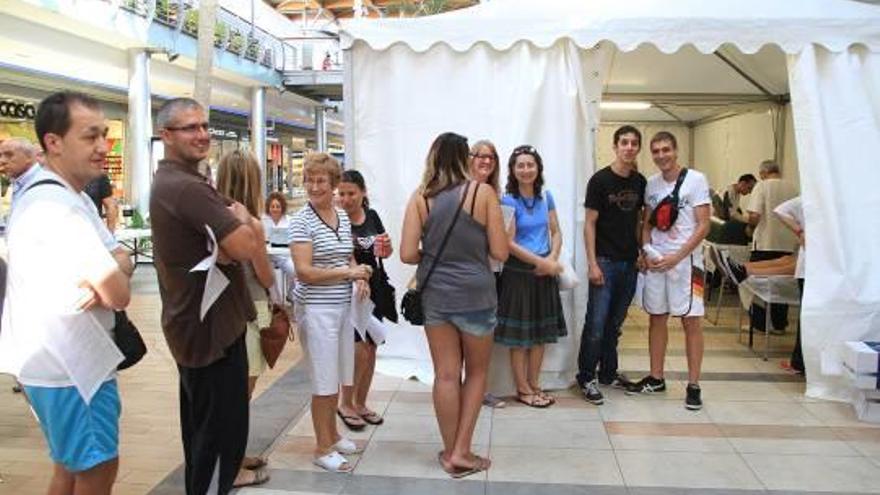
[529, 307]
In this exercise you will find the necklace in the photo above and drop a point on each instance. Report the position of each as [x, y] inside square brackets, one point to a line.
[529, 205]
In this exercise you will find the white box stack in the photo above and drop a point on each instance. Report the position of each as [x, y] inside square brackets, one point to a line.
[861, 361]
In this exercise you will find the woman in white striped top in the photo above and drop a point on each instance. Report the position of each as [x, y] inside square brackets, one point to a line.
[322, 248]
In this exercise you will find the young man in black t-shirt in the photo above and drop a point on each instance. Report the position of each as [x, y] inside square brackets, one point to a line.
[614, 202]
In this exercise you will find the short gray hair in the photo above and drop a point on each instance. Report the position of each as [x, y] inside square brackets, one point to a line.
[171, 107]
[24, 145]
[769, 167]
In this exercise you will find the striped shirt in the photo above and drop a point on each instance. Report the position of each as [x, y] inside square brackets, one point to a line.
[330, 249]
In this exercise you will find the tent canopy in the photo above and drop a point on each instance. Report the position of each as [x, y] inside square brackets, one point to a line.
[521, 71]
[668, 25]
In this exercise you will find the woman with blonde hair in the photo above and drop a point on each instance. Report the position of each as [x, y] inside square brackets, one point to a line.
[238, 178]
[451, 227]
[322, 248]
[483, 167]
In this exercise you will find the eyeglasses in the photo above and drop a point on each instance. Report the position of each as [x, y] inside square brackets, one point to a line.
[201, 126]
[477, 156]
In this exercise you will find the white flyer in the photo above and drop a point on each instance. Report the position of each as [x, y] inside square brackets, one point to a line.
[360, 313]
[215, 280]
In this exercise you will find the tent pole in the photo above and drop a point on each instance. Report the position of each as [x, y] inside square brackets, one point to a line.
[348, 108]
[743, 73]
[779, 134]
[691, 136]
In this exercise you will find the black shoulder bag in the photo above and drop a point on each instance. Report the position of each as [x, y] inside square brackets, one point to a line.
[664, 215]
[126, 336]
[411, 304]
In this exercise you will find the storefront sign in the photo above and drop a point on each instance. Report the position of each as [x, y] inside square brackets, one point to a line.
[17, 110]
[222, 133]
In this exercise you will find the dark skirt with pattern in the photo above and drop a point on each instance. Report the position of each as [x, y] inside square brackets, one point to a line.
[529, 307]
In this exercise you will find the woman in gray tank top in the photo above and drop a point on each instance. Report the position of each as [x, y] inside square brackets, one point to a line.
[459, 298]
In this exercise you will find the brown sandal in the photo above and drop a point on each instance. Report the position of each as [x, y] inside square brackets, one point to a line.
[260, 477]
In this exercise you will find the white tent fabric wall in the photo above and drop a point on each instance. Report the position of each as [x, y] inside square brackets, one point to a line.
[834, 81]
[836, 99]
[521, 95]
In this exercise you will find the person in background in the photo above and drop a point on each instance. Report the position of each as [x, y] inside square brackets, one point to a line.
[238, 178]
[186, 213]
[18, 159]
[674, 280]
[529, 307]
[100, 191]
[276, 223]
[483, 168]
[731, 202]
[771, 238]
[371, 243]
[459, 298]
[76, 294]
[614, 202]
[322, 248]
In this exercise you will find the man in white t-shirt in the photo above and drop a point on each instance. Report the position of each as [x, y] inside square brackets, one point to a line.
[674, 280]
[771, 239]
[63, 285]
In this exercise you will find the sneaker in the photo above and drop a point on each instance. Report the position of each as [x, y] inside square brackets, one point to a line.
[591, 392]
[693, 401]
[621, 382]
[490, 400]
[647, 385]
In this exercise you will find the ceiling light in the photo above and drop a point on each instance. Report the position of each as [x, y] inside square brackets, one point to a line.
[625, 105]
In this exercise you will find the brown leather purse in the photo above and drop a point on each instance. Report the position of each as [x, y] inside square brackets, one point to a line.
[273, 337]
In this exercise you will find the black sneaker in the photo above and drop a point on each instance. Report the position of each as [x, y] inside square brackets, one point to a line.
[592, 394]
[693, 401]
[647, 385]
[621, 382]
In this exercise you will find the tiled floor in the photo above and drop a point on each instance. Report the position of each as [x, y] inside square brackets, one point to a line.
[756, 434]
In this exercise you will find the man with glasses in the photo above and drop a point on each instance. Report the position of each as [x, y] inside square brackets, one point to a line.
[614, 202]
[188, 216]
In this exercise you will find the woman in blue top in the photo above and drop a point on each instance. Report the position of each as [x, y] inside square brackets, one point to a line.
[529, 309]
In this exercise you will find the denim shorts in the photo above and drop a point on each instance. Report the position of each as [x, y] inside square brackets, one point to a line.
[80, 435]
[477, 323]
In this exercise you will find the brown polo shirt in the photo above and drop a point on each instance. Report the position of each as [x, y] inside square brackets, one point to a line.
[182, 203]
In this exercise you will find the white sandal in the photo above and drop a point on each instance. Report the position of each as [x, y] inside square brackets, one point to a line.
[346, 446]
[333, 462]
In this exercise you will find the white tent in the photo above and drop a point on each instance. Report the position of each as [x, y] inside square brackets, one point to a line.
[521, 71]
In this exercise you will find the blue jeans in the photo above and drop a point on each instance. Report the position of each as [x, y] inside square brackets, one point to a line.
[606, 310]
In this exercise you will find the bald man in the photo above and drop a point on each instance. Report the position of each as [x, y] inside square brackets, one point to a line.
[18, 158]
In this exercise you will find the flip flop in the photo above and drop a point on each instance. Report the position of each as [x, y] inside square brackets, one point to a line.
[371, 417]
[533, 402]
[257, 463]
[260, 477]
[348, 421]
[456, 472]
[347, 447]
[333, 462]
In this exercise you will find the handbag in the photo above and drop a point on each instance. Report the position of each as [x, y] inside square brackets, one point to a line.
[129, 341]
[273, 337]
[383, 294]
[411, 304]
[568, 279]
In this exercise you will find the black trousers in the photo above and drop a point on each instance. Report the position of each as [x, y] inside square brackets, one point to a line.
[778, 312]
[214, 420]
[797, 355]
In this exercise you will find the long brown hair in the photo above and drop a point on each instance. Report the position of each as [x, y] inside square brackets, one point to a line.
[238, 178]
[446, 165]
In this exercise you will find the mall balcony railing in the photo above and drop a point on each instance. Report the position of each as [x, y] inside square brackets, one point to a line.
[232, 33]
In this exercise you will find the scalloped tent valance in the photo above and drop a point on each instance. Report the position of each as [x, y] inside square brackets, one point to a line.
[666, 24]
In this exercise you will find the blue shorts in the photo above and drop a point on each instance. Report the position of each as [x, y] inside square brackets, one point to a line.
[477, 323]
[80, 435]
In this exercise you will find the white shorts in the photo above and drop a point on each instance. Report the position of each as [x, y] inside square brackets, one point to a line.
[677, 292]
[327, 340]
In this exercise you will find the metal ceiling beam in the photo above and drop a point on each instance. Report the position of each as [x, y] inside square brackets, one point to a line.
[745, 75]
